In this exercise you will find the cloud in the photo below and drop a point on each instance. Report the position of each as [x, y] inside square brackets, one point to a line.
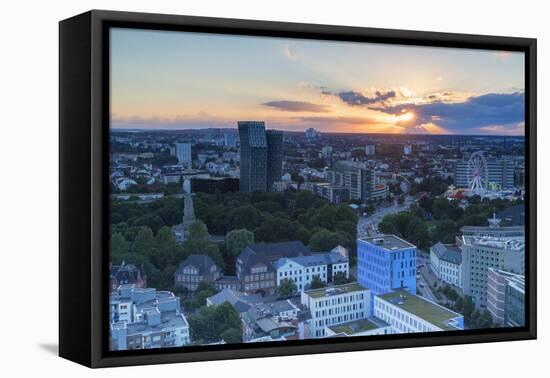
[513, 129]
[297, 106]
[475, 115]
[353, 98]
[447, 97]
[339, 120]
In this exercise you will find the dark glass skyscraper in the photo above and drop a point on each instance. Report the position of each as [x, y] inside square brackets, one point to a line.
[261, 156]
[274, 157]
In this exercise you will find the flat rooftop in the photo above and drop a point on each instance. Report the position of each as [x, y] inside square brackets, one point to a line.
[424, 309]
[169, 320]
[389, 242]
[510, 243]
[358, 326]
[496, 229]
[335, 290]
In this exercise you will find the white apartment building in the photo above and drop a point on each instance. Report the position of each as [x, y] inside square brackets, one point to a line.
[302, 269]
[144, 318]
[410, 313]
[183, 152]
[498, 283]
[446, 263]
[158, 330]
[370, 149]
[335, 305]
[479, 253]
[120, 307]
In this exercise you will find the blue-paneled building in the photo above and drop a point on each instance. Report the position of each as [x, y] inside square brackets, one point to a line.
[385, 263]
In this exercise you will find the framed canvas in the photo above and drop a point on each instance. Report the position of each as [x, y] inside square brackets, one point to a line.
[236, 188]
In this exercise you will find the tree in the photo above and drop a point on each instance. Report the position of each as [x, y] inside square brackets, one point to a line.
[246, 216]
[474, 220]
[387, 226]
[170, 215]
[407, 226]
[119, 247]
[316, 283]
[468, 308]
[326, 217]
[275, 229]
[198, 243]
[236, 240]
[346, 213]
[305, 199]
[162, 278]
[445, 209]
[204, 290]
[340, 278]
[323, 240]
[198, 231]
[446, 231]
[232, 336]
[459, 304]
[426, 203]
[153, 221]
[211, 322]
[144, 241]
[286, 288]
[474, 319]
[167, 250]
[485, 319]
[417, 232]
[450, 293]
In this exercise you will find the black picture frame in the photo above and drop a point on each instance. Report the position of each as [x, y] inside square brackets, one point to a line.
[83, 196]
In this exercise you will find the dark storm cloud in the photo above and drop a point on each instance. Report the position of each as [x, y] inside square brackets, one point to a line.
[358, 99]
[470, 116]
[297, 106]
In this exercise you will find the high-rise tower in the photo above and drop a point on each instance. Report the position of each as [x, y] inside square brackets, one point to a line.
[274, 158]
[261, 156]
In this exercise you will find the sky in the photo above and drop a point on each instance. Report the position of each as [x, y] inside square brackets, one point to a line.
[182, 80]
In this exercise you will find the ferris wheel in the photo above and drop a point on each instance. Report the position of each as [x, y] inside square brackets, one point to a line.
[477, 174]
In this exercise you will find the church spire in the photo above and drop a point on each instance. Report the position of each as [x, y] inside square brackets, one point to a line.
[494, 222]
[188, 210]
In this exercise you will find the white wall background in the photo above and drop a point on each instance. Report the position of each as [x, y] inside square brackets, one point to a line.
[29, 185]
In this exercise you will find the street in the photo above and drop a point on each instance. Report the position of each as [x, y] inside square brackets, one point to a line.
[368, 226]
[422, 284]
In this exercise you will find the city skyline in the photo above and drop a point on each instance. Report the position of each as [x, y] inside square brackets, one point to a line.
[173, 80]
[217, 242]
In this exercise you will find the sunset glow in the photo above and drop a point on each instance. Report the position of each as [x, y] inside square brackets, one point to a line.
[177, 80]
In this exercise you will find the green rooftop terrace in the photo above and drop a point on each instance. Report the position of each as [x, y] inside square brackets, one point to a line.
[355, 326]
[335, 290]
[422, 308]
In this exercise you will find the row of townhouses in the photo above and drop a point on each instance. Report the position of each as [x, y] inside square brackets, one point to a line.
[261, 267]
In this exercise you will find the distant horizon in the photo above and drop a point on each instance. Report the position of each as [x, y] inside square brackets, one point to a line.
[128, 130]
[173, 80]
